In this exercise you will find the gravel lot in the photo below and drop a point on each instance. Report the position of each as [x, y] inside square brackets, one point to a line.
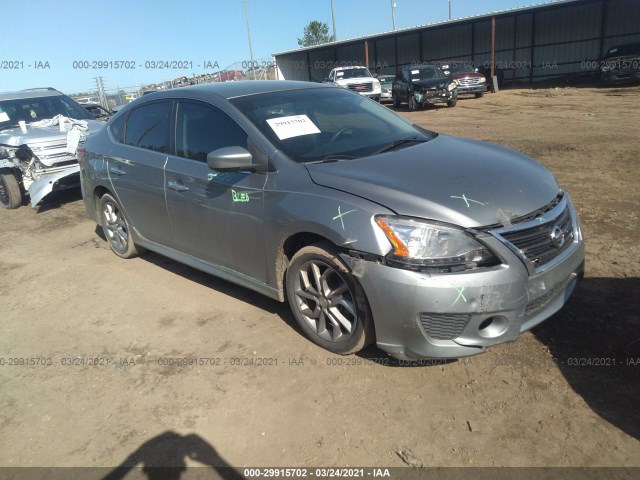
[565, 394]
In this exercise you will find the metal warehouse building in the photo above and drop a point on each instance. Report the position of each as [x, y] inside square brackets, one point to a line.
[529, 44]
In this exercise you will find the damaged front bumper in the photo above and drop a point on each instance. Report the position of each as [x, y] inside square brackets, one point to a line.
[433, 96]
[452, 315]
[37, 179]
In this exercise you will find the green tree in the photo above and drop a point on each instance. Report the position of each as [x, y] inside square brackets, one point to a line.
[314, 34]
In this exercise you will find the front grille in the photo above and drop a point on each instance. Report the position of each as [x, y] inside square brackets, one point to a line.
[53, 152]
[443, 326]
[361, 87]
[468, 82]
[536, 244]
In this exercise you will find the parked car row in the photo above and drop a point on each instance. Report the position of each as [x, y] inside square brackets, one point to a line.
[373, 229]
[416, 85]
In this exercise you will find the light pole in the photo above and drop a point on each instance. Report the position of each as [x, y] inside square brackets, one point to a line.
[246, 14]
[393, 13]
[333, 19]
[449, 9]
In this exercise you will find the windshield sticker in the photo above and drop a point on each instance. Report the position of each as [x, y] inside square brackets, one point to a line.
[4, 117]
[293, 126]
[415, 72]
[340, 215]
[239, 196]
[467, 200]
[340, 74]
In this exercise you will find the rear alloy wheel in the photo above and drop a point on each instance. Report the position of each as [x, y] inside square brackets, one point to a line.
[10, 194]
[116, 228]
[327, 301]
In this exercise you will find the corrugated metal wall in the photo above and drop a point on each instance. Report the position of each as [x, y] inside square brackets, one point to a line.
[537, 44]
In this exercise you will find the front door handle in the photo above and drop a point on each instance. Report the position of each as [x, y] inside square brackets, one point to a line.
[117, 171]
[178, 187]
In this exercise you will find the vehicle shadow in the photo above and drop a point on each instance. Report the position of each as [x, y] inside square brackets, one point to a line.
[164, 458]
[227, 288]
[595, 339]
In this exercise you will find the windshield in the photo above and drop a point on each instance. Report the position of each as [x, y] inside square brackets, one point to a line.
[426, 73]
[39, 108]
[325, 123]
[352, 73]
[386, 80]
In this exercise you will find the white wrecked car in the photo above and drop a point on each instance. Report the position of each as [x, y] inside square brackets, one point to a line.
[40, 130]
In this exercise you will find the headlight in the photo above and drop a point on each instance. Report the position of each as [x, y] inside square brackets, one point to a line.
[376, 83]
[483, 80]
[452, 85]
[418, 243]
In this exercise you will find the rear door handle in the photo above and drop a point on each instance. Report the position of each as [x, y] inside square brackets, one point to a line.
[117, 171]
[178, 187]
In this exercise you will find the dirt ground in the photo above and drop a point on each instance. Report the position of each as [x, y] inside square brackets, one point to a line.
[565, 394]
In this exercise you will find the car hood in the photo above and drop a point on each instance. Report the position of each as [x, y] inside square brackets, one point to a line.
[449, 179]
[433, 82]
[457, 76]
[14, 136]
[344, 81]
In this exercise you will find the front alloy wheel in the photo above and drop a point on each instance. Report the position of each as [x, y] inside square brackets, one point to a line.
[327, 301]
[116, 228]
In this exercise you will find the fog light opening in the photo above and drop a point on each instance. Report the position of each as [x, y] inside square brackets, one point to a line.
[493, 327]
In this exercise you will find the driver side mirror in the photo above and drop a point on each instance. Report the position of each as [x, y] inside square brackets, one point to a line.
[230, 159]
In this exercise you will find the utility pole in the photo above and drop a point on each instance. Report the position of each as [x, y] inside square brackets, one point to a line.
[449, 9]
[333, 18]
[102, 97]
[393, 13]
[246, 14]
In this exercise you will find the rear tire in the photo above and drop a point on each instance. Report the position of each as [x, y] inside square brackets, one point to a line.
[116, 228]
[10, 194]
[327, 301]
[479, 95]
[452, 103]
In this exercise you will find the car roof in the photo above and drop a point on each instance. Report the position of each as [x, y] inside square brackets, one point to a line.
[30, 93]
[237, 89]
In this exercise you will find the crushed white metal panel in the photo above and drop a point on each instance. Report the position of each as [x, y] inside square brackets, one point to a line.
[44, 185]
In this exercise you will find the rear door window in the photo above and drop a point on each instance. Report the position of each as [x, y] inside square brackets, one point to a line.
[148, 127]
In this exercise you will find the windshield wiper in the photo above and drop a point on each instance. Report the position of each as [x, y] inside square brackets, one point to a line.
[333, 157]
[398, 143]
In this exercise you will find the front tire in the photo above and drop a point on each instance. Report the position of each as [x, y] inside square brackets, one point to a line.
[327, 301]
[413, 106]
[452, 103]
[116, 228]
[395, 100]
[10, 194]
[479, 94]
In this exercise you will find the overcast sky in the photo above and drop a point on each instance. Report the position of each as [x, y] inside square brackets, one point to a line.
[41, 39]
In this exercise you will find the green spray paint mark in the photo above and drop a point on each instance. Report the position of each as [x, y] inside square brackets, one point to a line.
[340, 215]
[460, 295]
[239, 196]
[467, 200]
